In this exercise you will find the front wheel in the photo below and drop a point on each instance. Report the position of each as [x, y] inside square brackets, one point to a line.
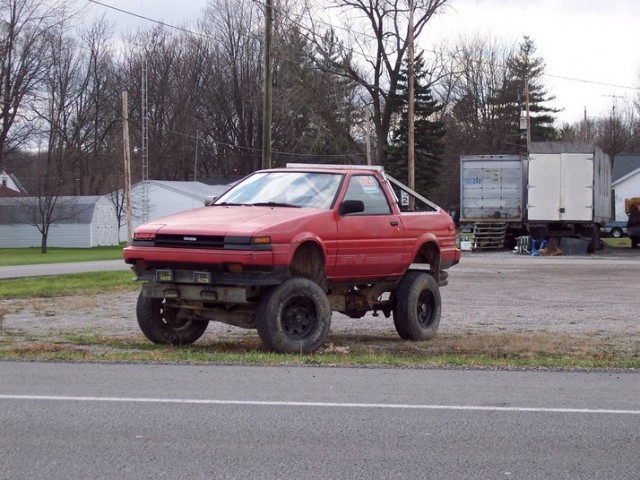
[165, 325]
[616, 233]
[417, 306]
[294, 317]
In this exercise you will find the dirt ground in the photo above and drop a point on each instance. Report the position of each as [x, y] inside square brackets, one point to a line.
[488, 293]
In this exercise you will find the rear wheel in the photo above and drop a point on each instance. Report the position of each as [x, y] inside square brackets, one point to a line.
[417, 306]
[616, 232]
[294, 317]
[166, 325]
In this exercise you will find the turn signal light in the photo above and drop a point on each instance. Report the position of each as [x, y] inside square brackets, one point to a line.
[261, 240]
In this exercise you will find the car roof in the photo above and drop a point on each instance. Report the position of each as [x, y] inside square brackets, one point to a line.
[342, 169]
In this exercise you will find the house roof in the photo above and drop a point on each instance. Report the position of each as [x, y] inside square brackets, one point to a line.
[626, 177]
[14, 180]
[68, 210]
[10, 192]
[623, 164]
[195, 190]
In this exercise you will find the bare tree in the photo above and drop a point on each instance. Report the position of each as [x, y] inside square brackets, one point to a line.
[376, 49]
[615, 133]
[24, 25]
[231, 105]
[47, 206]
[477, 73]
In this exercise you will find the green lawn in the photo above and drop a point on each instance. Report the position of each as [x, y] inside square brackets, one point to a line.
[31, 256]
[624, 242]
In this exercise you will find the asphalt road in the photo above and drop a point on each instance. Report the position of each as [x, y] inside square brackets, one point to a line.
[17, 271]
[103, 421]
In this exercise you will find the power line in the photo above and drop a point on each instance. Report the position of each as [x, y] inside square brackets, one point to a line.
[142, 17]
[309, 31]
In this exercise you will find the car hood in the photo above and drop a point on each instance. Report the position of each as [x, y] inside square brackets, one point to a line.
[218, 220]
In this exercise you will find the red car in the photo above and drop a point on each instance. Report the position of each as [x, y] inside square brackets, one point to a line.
[284, 248]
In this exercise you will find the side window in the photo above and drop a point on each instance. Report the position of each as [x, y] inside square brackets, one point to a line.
[367, 189]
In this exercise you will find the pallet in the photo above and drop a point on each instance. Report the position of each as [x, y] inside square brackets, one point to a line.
[489, 235]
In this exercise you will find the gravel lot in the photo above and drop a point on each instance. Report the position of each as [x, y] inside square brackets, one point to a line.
[487, 293]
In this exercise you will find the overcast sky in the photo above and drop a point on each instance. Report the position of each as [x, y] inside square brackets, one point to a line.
[593, 44]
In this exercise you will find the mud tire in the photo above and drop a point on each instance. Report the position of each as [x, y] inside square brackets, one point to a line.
[417, 308]
[294, 317]
[161, 325]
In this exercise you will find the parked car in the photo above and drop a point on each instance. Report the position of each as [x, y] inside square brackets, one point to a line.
[285, 247]
[614, 229]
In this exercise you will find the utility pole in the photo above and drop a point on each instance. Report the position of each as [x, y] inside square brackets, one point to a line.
[528, 113]
[267, 86]
[367, 129]
[145, 143]
[127, 161]
[195, 162]
[411, 111]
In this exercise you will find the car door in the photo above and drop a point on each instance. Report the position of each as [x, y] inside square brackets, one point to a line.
[370, 243]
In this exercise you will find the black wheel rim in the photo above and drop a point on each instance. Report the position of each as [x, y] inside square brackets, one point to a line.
[169, 318]
[299, 318]
[426, 309]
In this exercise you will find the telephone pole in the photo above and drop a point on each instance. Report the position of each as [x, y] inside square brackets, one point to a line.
[528, 113]
[411, 111]
[127, 161]
[267, 87]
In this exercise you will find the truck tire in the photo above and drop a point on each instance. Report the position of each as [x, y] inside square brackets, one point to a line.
[294, 317]
[616, 232]
[417, 306]
[161, 325]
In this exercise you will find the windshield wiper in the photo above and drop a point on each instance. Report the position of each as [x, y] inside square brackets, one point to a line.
[274, 204]
[231, 204]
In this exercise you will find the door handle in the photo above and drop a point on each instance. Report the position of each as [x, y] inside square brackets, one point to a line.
[394, 223]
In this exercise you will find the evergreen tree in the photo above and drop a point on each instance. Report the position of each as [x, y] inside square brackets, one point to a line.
[429, 133]
[525, 67]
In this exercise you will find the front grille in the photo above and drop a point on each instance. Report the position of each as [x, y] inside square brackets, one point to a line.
[190, 241]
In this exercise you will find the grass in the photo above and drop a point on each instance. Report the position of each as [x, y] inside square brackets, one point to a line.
[32, 256]
[543, 350]
[71, 284]
[506, 350]
[624, 242]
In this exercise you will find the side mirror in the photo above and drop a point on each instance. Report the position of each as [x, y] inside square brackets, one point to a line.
[351, 206]
[209, 200]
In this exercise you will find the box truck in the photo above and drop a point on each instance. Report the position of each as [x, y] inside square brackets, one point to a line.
[559, 190]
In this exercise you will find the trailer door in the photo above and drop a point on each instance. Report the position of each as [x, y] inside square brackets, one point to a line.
[560, 187]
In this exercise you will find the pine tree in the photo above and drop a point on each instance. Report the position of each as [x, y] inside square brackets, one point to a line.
[429, 133]
[525, 67]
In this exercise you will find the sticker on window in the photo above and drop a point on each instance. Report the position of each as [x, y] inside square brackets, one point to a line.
[369, 184]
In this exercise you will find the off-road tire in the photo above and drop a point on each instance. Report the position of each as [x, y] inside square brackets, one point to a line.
[160, 325]
[294, 317]
[417, 306]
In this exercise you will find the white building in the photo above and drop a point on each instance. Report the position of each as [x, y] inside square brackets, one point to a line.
[162, 198]
[626, 182]
[79, 222]
[9, 185]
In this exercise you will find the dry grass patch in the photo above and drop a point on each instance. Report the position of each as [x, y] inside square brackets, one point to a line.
[490, 350]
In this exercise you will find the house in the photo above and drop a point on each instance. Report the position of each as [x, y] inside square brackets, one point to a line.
[626, 181]
[157, 198]
[10, 186]
[81, 222]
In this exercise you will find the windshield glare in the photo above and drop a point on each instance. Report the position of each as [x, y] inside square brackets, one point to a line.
[296, 189]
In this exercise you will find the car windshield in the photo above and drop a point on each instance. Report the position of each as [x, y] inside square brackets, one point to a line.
[285, 189]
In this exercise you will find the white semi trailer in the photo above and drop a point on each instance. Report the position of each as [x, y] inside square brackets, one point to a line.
[559, 190]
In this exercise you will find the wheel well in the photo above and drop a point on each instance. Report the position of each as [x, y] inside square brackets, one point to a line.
[430, 253]
[308, 262]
